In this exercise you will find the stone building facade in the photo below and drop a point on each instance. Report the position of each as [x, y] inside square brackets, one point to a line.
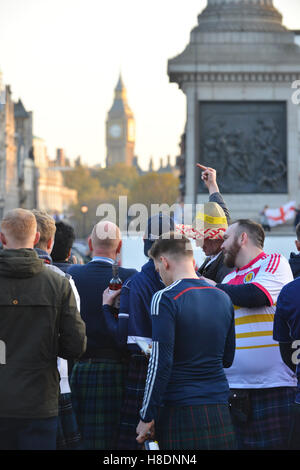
[9, 194]
[237, 73]
[52, 195]
[26, 177]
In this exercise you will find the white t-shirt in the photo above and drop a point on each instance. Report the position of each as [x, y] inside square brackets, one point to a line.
[257, 362]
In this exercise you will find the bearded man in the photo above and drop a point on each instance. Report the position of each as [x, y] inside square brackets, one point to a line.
[262, 385]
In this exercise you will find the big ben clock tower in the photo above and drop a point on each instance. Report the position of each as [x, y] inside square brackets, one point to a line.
[120, 129]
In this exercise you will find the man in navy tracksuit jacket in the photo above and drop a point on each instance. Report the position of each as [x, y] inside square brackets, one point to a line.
[185, 402]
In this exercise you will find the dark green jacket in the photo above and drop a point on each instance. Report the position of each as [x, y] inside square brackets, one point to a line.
[39, 321]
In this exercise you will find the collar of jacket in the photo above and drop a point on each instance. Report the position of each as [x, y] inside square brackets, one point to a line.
[22, 263]
[42, 254]
[102, 259]
[149, 270]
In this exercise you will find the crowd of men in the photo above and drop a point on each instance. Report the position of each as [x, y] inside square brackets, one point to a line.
[222, 367]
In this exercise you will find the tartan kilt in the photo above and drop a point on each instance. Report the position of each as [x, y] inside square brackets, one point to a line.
[97, 394]
[269, 422]
[294, 433]
[133, 400]
[68, 436]
[196, 427]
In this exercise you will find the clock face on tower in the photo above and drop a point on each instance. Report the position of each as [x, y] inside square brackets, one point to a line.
[115, 131]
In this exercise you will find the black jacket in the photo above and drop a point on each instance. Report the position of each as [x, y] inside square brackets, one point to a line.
[217, 197]
[295, 264]
[63, 266]
[216, 270]
[39, 321]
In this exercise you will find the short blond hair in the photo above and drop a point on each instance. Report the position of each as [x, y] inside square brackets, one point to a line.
[19, 225]
[45, 225]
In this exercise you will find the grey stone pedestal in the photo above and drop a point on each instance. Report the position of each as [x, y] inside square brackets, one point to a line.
[237, 74]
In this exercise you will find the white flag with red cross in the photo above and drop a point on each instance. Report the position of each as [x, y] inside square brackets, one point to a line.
[281, 215]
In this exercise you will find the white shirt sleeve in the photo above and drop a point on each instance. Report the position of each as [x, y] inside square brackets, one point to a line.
[274, 273]
[75, 292]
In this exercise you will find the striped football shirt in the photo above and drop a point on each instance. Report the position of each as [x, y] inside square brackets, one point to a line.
[258, 362]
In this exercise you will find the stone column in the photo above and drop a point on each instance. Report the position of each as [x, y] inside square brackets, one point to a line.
[240, 52]
[191, 148]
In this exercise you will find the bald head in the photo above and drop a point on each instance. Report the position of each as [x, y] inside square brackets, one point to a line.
[19, 229]
[105, 239]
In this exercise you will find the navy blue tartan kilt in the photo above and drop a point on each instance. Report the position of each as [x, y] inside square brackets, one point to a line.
[269, 422]
[294, 432]
[97, 395]
[196, 427]
[132, 403]
[68, 436]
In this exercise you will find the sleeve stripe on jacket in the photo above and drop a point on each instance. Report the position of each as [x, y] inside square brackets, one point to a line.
[151, 377]
[157, 297]
[153, 363]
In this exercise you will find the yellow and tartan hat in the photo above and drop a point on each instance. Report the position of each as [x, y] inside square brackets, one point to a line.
[211, 223]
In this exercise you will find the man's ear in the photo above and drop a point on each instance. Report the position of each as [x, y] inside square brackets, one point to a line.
[36, 238]
[50, 244]
[3, 239]
[90, 244]
[165, 262]
[297, 243]
[244, 238]
[119, 247]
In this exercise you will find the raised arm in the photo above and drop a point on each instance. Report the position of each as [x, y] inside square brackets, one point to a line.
[209, 177]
